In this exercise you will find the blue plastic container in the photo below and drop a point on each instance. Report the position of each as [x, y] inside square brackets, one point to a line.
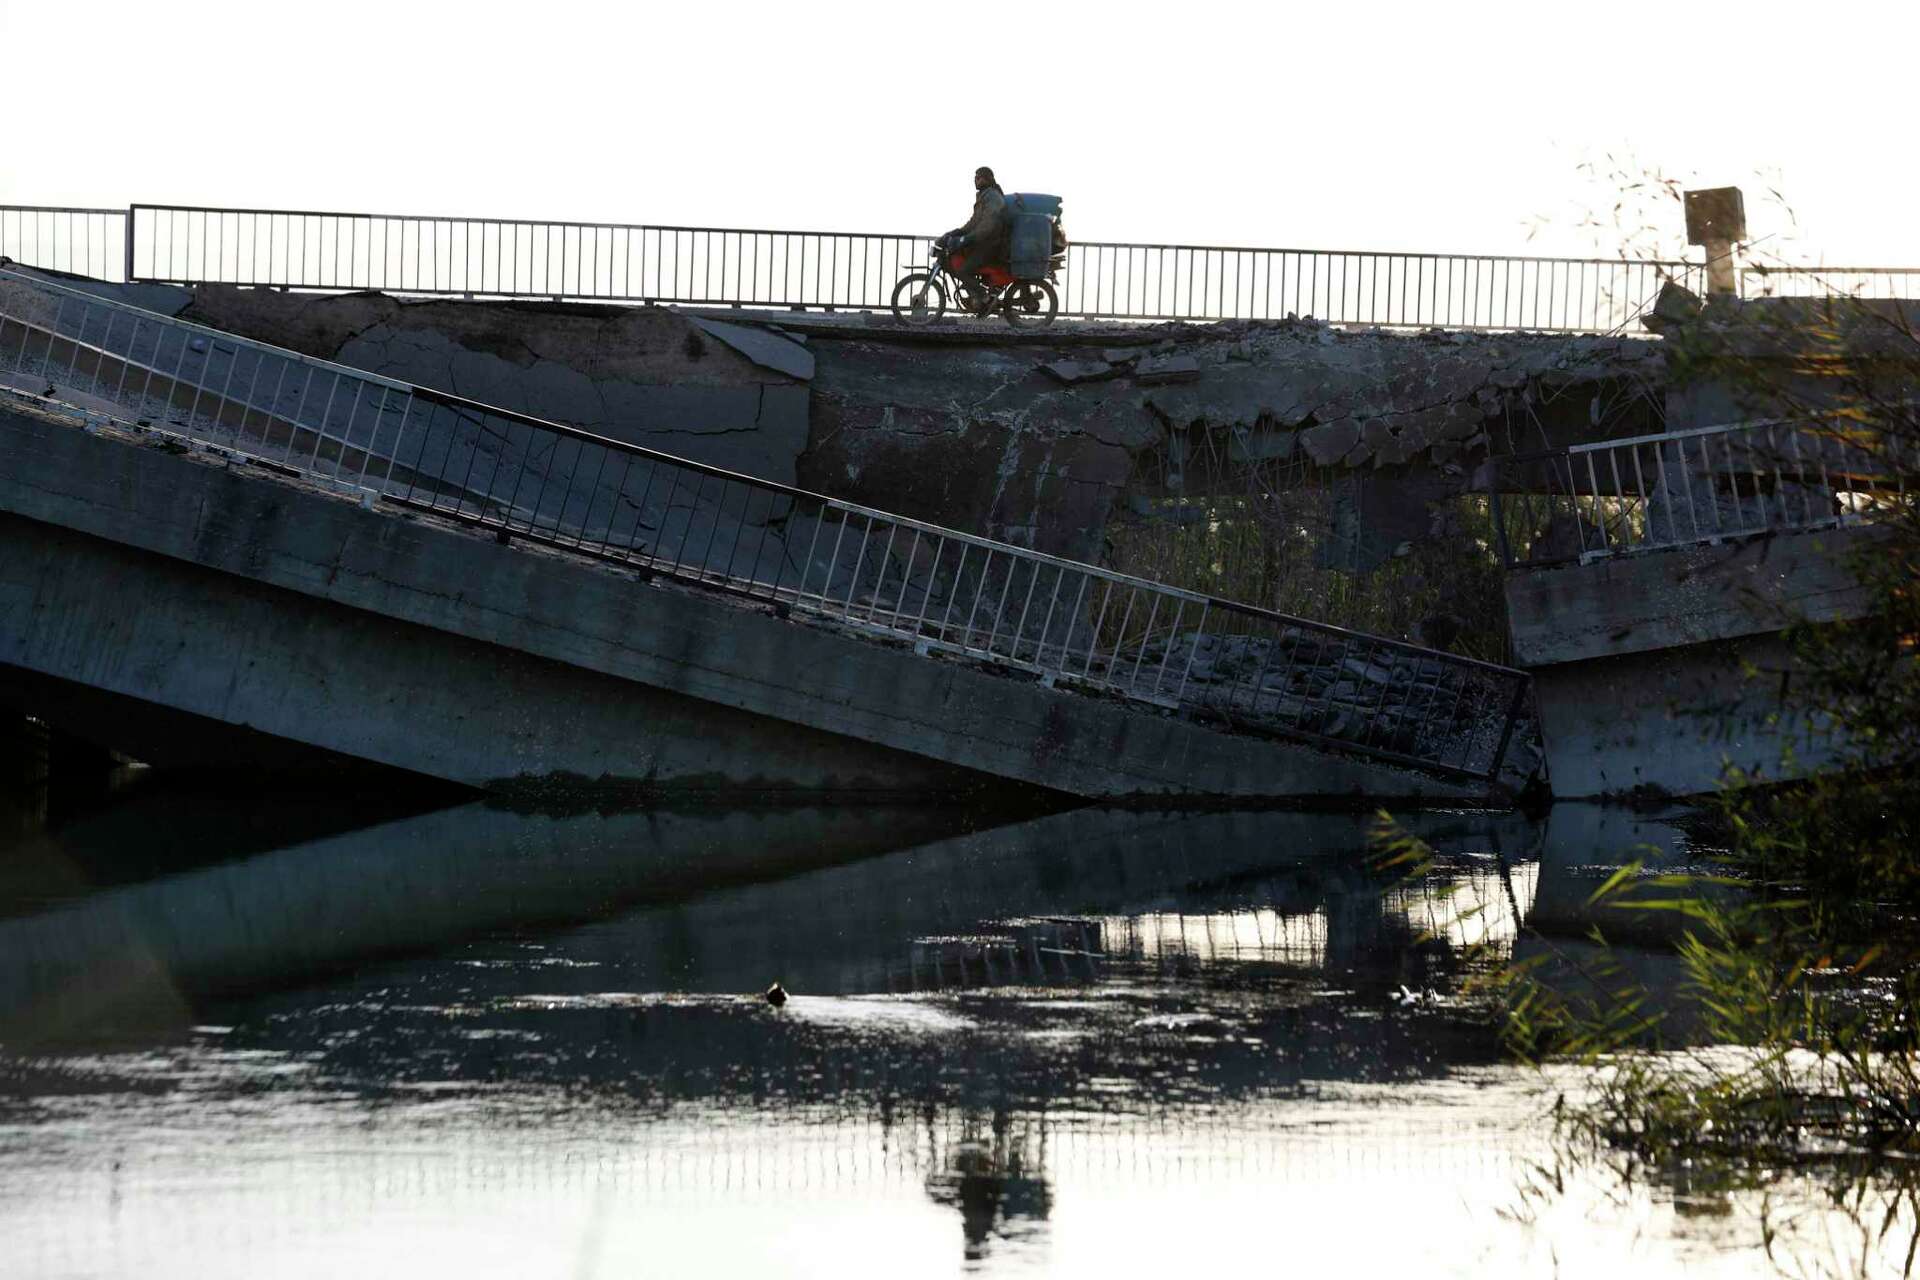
[1034, 220]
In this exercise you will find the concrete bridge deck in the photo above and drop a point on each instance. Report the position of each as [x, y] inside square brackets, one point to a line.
[352, 570]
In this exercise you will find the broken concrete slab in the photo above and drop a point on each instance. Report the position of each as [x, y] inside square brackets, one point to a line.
[1158, 369]
[768, 350]
[1073, 371]
[1329, 442]
[648, 376]
[747, 426]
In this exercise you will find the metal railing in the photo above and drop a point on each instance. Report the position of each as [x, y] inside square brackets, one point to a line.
[513, 258]
[707, 266]
[884, 575]
[739, 267]
[85, 242]
[1391, 290]
[1685, 488]
[1867, 283]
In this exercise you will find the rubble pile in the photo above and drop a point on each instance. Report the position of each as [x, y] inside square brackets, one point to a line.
[1351, 689]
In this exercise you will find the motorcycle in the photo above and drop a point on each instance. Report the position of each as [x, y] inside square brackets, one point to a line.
[922, 297]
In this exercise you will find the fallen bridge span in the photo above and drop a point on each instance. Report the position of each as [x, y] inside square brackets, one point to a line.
[650, 620]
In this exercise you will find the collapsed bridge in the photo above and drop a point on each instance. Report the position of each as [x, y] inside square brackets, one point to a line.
[502, 598]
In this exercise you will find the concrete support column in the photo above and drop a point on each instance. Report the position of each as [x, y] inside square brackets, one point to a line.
[1723, 275]
[1717, 221]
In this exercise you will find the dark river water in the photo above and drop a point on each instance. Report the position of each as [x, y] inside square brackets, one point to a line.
[322, 1033]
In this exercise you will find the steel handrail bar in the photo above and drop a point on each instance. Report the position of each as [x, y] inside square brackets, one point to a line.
[223, 335]
[1682, 433]
[1763, 269]
[1384, 253]
[141, 366]
[522, 222]
[1823, 429]
[59, 208]
[824, 499]
[451, 400]
[798, 598]
[891, 235]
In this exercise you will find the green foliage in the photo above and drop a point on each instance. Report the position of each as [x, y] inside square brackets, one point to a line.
[1792, 1040]
[1849, 835]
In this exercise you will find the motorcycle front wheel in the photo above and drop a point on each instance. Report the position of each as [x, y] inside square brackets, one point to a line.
[1031, 304]
[919, 298]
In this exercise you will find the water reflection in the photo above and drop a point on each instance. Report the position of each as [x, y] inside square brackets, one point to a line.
[994, 1174]
[497, 1041]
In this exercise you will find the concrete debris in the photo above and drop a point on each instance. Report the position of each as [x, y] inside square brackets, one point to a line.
[1676, 305]
[767, 349]
[1167, 368]
[1072, 371]
[1309, 682]
[1329, 443]
[1372, 672]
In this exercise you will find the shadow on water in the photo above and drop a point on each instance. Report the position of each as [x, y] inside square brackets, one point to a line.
[978, 992]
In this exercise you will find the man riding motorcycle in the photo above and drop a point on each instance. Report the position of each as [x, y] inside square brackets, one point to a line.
[983, 241]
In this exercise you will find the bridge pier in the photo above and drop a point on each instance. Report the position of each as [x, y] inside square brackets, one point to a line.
[1658, 672]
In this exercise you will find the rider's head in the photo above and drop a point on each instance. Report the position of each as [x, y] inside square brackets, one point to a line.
[983, 178]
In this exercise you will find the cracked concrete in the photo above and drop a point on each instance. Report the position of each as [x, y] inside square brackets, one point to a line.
[645, 376]
[935, 428]
[1034, 439]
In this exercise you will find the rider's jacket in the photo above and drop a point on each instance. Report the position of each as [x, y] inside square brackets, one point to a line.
[986, 231]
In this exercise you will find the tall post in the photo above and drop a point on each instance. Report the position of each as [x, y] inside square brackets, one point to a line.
[127, 278]
[1717, 221]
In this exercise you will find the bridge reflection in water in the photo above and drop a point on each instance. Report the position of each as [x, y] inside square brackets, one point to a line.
[1092, 1038]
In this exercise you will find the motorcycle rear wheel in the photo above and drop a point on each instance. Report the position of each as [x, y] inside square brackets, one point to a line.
[1031, 304]
[919, 299]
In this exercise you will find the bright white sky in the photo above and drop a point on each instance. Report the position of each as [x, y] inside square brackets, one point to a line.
[1443, 127]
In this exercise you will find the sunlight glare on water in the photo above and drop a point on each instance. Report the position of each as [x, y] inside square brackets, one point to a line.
[1092, 1043]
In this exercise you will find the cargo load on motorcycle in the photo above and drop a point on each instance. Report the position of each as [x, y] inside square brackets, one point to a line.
[1017, 285]
[1037, 244]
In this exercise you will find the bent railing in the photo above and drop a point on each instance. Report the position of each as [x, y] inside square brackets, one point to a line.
[884, 575]
[1684, 488]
